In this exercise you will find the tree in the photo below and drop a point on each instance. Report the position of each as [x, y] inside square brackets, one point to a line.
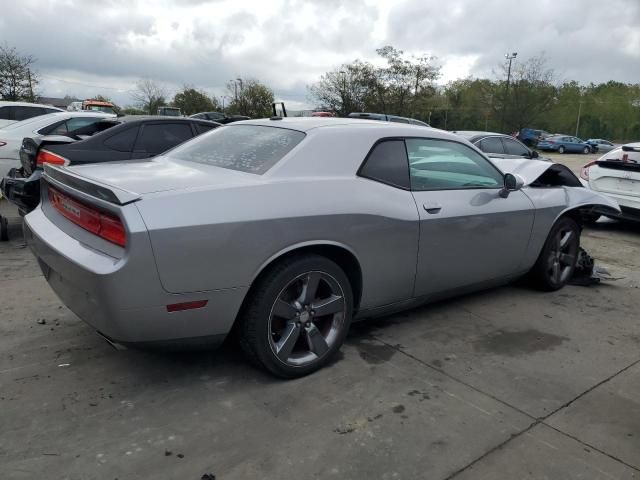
[149, 96]
[254, 98]
[532, 93]
[101, 98]
[191, 101]
[17, 80]
[345, 89]
[404, 86]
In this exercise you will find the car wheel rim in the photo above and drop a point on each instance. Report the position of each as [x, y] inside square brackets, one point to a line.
[562, 256]
[306, 319]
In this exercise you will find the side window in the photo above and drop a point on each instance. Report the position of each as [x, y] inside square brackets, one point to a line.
[50, 110]
[203, 127]
[4, 113]
[387, 163]
[24, 113]
[398, 120]
[159, 137]
[122, 141]
[445, 165]
[9, 113]
[491, 145]
[73, 124]
[511, 147]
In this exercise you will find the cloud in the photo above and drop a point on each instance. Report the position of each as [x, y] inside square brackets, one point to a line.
[84, 44]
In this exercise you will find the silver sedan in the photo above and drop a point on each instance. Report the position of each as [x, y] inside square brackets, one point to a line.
[285, 230]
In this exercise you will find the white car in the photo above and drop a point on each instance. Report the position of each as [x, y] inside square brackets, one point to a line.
[12, 112]
[58, 123]
[617, 175]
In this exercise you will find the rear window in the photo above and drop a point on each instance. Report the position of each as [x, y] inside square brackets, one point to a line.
[246, 148]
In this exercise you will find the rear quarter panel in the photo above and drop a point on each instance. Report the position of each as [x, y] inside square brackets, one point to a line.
[213, 239]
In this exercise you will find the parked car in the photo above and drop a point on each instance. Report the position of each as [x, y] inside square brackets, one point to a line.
[169, 112]
[564, 143]
[111, 139]
[617, 175]
[600, 145]
[531, 136]
[387, 118]
[498, 145]
[57, 123]
[219, 117]
[11, 112]
[286, 229]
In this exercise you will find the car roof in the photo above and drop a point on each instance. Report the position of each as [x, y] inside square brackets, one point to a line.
[305, 124]
[161, 118]
[472, 135]
[4, 103]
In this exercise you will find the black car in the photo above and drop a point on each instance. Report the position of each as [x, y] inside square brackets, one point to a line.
[498, 145]
[219, 117]
[117, 139]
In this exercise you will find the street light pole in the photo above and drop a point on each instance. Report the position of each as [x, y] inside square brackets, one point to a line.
[509, 57]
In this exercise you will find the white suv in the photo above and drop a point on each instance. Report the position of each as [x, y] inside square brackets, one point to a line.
[617, 174]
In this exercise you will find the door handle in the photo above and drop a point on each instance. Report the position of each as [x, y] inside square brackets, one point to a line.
[432, 208]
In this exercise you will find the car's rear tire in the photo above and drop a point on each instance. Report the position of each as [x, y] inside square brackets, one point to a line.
[297, 316]
[560, 149]
[558, 258]
[586, 150]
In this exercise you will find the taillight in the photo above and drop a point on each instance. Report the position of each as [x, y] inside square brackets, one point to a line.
[101, 224]
[45, 156]
[584, 171]
[550, 141]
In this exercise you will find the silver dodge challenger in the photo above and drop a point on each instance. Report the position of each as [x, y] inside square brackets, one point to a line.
[285, 230]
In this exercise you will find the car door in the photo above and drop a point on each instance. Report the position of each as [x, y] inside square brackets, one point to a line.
[156, 138]
[469, 233]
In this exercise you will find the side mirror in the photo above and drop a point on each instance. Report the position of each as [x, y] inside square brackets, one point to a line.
[534, 154]
[512, 183]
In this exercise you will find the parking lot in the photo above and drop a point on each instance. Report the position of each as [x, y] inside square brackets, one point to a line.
[509, 383]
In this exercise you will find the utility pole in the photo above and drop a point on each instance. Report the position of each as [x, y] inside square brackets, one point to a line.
[31, 99]
[509, 57]
[579, 113]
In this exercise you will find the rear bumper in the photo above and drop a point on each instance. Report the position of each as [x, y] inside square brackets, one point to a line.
[123, 298]
[21, 191]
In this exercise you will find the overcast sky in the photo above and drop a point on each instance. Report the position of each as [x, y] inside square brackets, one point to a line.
[86, 47]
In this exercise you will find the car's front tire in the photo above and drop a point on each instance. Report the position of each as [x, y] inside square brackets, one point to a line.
[586, 150]
[297, 316]
[557, 261]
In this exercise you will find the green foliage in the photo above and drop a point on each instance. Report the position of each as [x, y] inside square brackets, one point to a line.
[130, 110]
[191, 101]
[405, 86]
[402, 87]
[101, 98]
[250, 98]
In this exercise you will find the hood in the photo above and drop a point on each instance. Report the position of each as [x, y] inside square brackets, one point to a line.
[160, 174]
[528, 169]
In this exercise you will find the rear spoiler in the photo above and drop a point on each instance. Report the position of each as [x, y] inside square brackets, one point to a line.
[61, 176]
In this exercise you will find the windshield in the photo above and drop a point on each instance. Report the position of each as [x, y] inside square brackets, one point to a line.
[246, 148]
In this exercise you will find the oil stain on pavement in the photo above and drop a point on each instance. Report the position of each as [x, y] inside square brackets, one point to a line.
[515, 343]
